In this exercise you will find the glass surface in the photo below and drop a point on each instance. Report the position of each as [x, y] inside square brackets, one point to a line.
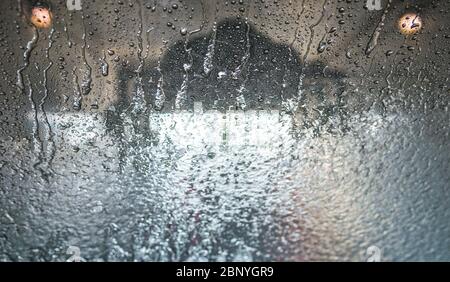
[262, 130]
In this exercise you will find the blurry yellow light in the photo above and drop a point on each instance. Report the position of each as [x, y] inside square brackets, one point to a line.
[41, 17]
[409, 24]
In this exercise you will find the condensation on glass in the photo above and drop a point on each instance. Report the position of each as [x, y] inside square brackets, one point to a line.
[262, 130]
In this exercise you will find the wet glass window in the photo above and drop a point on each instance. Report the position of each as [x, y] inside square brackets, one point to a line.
[209, 130]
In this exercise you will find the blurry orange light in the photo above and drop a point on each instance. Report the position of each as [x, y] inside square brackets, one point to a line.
[41, 17]
[409, 23]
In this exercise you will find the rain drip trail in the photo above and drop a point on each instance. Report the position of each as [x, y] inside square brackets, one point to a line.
[138, 99]
[19, 4]
[376, 34]
[237, 72]
[49, 134]
[140, 41]
[291, 46]
[308, 48]
[311, 29]
[181, 96]
[296, 29]
[87, 77]
[77, 92]
[240, 99]
[147, 49]
[207, 63]
[182, 92]
[322, 43]
[37, 143]
[66, 31]
[26, 58]
[104, 65]
[160, 96]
